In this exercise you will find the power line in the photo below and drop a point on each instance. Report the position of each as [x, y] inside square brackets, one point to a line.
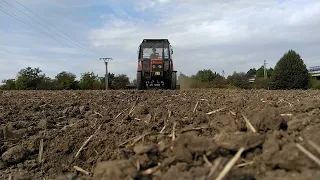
[39, 30]
[41, 23]
[55, 27]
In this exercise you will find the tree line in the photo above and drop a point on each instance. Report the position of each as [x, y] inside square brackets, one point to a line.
[34, 79]
[290, 72]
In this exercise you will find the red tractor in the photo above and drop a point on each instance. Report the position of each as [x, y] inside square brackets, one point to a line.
[155, 65]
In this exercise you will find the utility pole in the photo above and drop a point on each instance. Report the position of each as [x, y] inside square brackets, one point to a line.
[265, 69]
[106, 60]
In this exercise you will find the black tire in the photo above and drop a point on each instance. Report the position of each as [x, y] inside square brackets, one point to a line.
[167, 84]
[173, 83]
[139, 81]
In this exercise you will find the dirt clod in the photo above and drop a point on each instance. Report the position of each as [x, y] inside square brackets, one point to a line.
[234, 141]
[84, 109]
[296, 161]
[15, 154]
[142, 148]
[190, 143]
[119, 169]
[70, 176]
[21, 175]
[269, 118]
[45, 124]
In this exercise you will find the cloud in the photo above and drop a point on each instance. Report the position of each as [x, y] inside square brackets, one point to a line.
[221, 35]
[227, 35]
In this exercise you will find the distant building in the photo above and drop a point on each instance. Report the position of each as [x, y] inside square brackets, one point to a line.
[315, 71]
[251, 80]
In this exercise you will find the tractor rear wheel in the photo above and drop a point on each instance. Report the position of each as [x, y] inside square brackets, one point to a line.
[140, 84]
[173, 82]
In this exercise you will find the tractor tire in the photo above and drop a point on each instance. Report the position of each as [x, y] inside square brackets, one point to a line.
[167, 84]
[140, 85]
[173, 82]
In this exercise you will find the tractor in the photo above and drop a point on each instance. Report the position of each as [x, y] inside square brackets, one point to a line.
[155, 65]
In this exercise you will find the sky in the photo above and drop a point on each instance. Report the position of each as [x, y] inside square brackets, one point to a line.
[221, 35]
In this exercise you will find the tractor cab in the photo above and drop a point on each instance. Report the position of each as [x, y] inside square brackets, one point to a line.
[155, 54]
[155, 65]
[155, 48]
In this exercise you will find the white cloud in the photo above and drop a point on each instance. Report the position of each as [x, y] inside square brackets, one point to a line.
[230, 35]
[163, 1]
[144, 4]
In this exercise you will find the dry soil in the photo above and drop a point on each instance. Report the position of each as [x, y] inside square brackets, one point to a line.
[190, 134]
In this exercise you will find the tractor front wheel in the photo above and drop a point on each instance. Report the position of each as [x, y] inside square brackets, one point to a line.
[167, 84]
[140, 84]
[173, 83]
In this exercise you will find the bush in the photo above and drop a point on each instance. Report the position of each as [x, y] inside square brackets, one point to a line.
[239, 80]
[203, 79]
[315, 84]
[219, 82]
[261, 83]
[89, 81]
[8, 84]
[120, 81]
[66, 80]
[290, 72]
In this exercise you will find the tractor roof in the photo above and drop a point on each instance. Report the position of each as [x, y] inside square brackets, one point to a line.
[155, 40]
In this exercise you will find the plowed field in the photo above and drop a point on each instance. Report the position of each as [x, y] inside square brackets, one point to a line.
[194, 134]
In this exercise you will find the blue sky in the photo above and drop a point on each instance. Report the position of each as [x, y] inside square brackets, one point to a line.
[227, 35]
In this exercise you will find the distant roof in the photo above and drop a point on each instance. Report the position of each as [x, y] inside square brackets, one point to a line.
[314, 68]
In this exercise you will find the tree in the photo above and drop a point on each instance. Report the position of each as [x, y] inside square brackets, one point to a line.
[315, 83]
[219, 82]
[251, 73]
[290, 72]
[9, 84]
[239, 80]
[120, 81]
[47, 84]
[261, 83]
[29, 78]
[66, 80]
[89, 81]
[134, 82]
[260, 72]
[205, 75]
[111, 77]
[270, 72]
[102, 81]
